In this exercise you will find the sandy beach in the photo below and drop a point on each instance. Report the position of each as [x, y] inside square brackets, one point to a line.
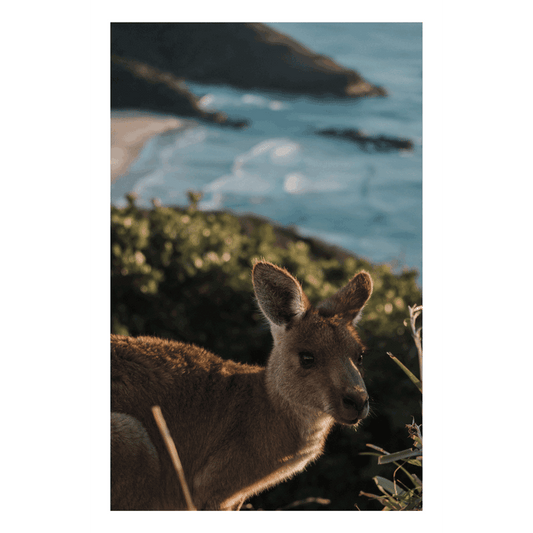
[129, 133]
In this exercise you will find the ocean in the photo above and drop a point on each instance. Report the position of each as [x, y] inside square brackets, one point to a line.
[367, 202]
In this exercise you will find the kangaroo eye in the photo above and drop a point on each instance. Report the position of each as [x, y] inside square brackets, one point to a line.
[307, 359]
[360, 358]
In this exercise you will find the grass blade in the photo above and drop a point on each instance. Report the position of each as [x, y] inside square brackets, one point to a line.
[409, 374]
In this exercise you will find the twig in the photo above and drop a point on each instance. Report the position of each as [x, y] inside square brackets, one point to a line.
[377, 448]
[414, 313]
[171, 447]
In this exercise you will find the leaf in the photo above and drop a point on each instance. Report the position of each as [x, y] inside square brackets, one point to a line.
[387, 487]
[370, 453]
[409, 374]
[398, 456]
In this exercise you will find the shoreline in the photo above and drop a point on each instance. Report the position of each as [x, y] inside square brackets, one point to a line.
[130, 131]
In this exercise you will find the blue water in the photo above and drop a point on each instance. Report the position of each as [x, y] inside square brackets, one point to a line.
[368, 203]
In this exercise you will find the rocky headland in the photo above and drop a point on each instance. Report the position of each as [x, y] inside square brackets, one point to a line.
[151, 62]
[138, 85]
[249, 56]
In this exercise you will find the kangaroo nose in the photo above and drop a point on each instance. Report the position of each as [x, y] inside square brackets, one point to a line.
[355, 405]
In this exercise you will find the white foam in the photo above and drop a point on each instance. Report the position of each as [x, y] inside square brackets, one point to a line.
[255, 172]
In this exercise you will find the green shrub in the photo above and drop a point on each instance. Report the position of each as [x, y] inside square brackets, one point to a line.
[186, 274]
[404, 491]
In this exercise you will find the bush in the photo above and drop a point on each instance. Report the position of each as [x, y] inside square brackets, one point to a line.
[403, 494]
[185, 274]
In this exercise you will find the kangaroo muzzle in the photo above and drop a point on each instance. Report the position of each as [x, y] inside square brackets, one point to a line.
[354, 406]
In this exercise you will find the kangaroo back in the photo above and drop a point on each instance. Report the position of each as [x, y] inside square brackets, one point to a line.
[238, 429]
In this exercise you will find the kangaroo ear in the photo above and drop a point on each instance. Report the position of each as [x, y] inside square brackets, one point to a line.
[349, 300]
[280, 296]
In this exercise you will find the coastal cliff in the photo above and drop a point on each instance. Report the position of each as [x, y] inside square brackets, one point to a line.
[150, 63]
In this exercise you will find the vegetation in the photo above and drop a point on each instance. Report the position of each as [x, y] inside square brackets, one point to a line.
[396, 495]
[185, 274]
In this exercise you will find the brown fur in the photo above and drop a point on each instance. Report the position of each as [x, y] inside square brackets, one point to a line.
[238, 428]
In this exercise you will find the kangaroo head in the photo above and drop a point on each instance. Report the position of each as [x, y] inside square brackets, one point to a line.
[316, 361]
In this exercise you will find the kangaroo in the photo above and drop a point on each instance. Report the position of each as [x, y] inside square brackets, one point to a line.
[238, 429]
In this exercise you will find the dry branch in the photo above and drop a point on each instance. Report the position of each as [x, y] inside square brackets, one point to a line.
[173, 452]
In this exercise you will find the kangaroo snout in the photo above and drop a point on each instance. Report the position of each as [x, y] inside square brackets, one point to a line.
[354, 406]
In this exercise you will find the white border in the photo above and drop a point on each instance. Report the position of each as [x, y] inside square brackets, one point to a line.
[100, 14]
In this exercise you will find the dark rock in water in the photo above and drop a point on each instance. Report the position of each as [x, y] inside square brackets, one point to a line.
[250, 56]
[135, 84]
[379, 143]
